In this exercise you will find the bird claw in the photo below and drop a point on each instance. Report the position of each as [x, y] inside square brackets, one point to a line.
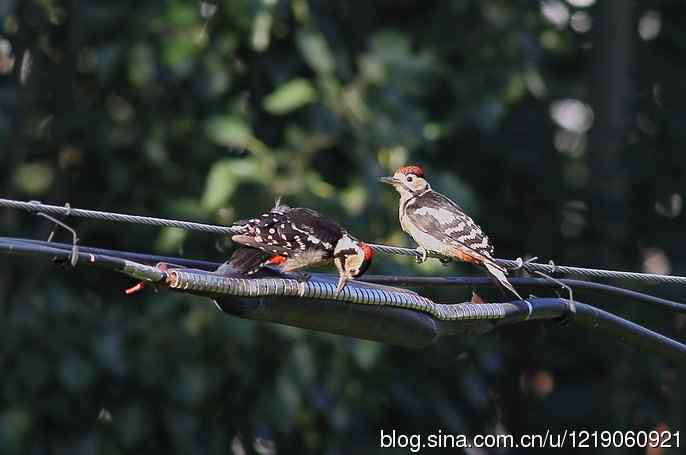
[422, 254]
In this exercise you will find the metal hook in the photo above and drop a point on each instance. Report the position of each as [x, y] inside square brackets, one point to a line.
[74, 257]
[521, 263]
[571, 306]
[54, 228]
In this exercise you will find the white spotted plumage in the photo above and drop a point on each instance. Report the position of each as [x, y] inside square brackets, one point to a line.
[295, 238]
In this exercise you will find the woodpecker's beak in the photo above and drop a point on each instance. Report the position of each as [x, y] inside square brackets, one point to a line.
[389, 180]
[342, 282]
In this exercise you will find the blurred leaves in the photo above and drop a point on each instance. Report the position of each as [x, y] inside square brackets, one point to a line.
[315, 51]
[225, 176]
[34, 178]
[290, 96]
[171, 240]
[229, 131]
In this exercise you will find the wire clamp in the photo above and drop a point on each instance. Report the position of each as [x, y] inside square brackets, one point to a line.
[34, 206]
[521, 263]
[553, 270]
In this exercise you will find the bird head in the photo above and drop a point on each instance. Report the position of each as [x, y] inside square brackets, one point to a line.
[408, 181]
[352, 258]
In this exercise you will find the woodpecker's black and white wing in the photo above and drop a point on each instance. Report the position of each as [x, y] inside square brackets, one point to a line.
[440, 225]
[433, 214]
[289, 231]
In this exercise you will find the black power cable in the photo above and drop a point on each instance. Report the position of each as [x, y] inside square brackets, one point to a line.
[409, 281]
[367, 311]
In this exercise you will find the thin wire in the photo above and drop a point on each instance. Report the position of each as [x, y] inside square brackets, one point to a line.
[551, 268]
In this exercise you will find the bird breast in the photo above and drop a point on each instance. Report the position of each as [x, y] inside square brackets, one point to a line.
[429, 242]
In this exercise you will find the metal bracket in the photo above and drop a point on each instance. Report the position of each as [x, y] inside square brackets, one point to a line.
[74, 257]
[571, 307]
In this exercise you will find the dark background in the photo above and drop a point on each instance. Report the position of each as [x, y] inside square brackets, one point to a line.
[559, 125]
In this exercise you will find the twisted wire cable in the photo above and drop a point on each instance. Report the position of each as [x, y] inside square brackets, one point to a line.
[36, 207]
[551, 268]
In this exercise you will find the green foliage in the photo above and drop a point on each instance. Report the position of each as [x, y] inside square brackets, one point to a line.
[209, 110]
[289, 97]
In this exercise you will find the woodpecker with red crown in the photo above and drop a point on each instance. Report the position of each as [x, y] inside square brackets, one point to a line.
[295, 238]
[438, 224]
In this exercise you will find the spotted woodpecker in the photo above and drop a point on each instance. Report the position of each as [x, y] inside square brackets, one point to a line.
[296, 238]
[438, 224]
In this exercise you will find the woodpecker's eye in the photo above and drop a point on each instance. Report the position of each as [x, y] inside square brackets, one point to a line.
[410, 178]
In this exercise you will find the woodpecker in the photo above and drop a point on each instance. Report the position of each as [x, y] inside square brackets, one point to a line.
[438, 224]
[295, 238]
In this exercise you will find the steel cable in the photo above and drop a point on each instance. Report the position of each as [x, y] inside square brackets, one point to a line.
[550, 268]
[35, 207]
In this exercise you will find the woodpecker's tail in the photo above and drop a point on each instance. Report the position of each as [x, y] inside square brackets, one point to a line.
[498, 276]
[244, 261]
